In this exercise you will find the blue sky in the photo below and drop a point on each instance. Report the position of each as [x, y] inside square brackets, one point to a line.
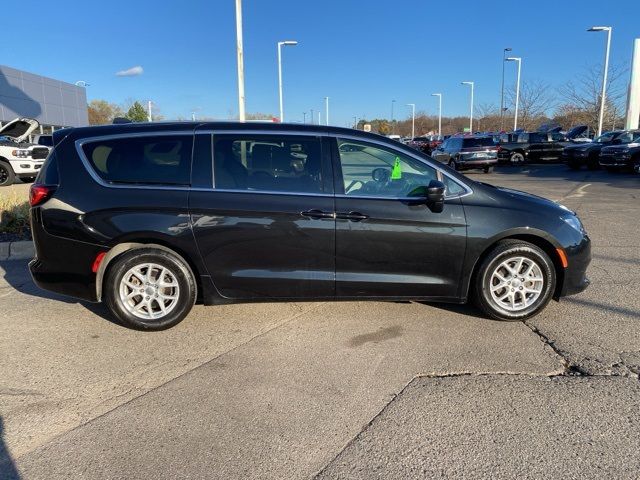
[362, 54]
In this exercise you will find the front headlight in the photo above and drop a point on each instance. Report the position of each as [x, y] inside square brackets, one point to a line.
[20, 153]
[574, 222]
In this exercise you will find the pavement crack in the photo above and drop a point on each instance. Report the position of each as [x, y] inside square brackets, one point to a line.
[570, 368]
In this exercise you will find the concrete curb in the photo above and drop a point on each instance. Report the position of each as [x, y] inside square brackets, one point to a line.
[17, 250]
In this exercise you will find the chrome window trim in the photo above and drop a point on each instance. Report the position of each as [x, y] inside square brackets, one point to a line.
[441, 173]
[300, 133]
[101, 181]
[261, 192]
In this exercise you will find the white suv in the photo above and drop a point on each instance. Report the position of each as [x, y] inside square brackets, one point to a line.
[18, 157]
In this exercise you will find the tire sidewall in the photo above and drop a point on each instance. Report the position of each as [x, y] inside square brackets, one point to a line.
[10, 174]
[119, 267]
[548, 272]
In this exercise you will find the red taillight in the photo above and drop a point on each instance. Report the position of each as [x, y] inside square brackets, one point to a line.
[97, 261]
[38, 194]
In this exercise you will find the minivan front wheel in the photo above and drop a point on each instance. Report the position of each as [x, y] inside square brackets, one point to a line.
[149, 289]
[515, 281]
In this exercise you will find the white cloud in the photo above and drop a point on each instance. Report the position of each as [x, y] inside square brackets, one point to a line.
[130, 72]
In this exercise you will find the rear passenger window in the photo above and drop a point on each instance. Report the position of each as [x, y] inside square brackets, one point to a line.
[159, 160]
[266, 163]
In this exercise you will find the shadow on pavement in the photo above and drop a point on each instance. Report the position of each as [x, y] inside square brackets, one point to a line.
[8, 470]
[629, 312]
[16, 275]
[561, 171]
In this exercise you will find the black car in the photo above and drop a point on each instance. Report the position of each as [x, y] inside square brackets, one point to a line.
[623, 156]
[577, 156]
[541, 146]
[151, 218]
[468, 152]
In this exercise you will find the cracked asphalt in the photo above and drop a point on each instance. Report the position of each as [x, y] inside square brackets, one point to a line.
[339, 390]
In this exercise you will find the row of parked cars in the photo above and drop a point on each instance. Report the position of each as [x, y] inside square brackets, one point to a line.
[615, 150]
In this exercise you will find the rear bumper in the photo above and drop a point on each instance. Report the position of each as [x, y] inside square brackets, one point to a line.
[479, 163]
[61, 265]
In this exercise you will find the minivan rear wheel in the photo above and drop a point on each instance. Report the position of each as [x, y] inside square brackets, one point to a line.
[149, 289]
[515, 281]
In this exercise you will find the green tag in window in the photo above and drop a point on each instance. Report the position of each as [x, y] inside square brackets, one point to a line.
[396, 173]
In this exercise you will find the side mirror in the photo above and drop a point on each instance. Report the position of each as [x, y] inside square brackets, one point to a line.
[435, 196]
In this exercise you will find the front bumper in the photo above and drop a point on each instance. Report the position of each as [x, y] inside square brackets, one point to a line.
[26, 167]
[575, 275]
[615, 161]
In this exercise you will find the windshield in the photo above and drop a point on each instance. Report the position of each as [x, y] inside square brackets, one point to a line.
[629, 137]
[477, 142]
[604, 138]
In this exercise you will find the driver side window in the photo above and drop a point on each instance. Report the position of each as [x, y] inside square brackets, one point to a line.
[377, 171]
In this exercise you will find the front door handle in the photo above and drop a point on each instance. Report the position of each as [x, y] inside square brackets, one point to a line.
[353, 216]
[315, 213]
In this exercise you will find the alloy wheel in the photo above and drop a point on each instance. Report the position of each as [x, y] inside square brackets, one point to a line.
[516, 283]
[517, 158]
[149, 291]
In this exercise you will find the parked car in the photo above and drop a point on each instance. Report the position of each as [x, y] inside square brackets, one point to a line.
[422, 144]
[468, 152]
[579, 155]
[625, 155]
[151, 218]
[46, 140]
[546, 146]
[18, 157]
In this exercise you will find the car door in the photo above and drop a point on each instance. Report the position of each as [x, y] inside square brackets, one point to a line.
[537, 146]
[388, 241]
[440, 153]
[263, 216]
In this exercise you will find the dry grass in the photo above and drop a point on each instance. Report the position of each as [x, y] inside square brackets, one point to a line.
[14, 214]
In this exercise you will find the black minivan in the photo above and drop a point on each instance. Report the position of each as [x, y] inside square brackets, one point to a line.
[152, 218]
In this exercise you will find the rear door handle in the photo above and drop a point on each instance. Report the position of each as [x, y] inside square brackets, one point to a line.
[315, 213]
[353, 216]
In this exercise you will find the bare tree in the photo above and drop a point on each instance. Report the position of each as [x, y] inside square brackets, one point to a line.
[536, 102]
[581, 97]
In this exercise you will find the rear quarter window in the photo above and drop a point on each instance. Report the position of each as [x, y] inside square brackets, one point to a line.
[158, 160]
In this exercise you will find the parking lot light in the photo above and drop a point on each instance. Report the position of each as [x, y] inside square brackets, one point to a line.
[471, 108]
[502, 109]
[439, 95]
[291, 43]
[240, 61]
[326, 106]
[604, 75]
[515, 118]
[413, 119]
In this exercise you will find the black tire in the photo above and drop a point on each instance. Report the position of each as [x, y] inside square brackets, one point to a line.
[516, 158]
[573, 165]
[177, 268]
[7, 177]
[453, 164]
[28, 179]
[592, 163]
[487, 169]
[481, 287]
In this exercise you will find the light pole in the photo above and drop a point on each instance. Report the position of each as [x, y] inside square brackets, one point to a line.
[149, 110]
[413, 119]
[355, 123]
[604, 75]
[439, 95]
[515, 118]
[319, 117]
[326, 107]
[393, 125]
[471, 109]
[240, 57]
[82, 83]
[504, 53]
[280, 44]
[304, 117]
[312, 119]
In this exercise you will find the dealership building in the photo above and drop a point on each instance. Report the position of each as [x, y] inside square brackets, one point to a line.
[55, 104]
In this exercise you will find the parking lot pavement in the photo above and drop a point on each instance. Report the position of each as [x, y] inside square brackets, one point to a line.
[279, 390]
[495, 427]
